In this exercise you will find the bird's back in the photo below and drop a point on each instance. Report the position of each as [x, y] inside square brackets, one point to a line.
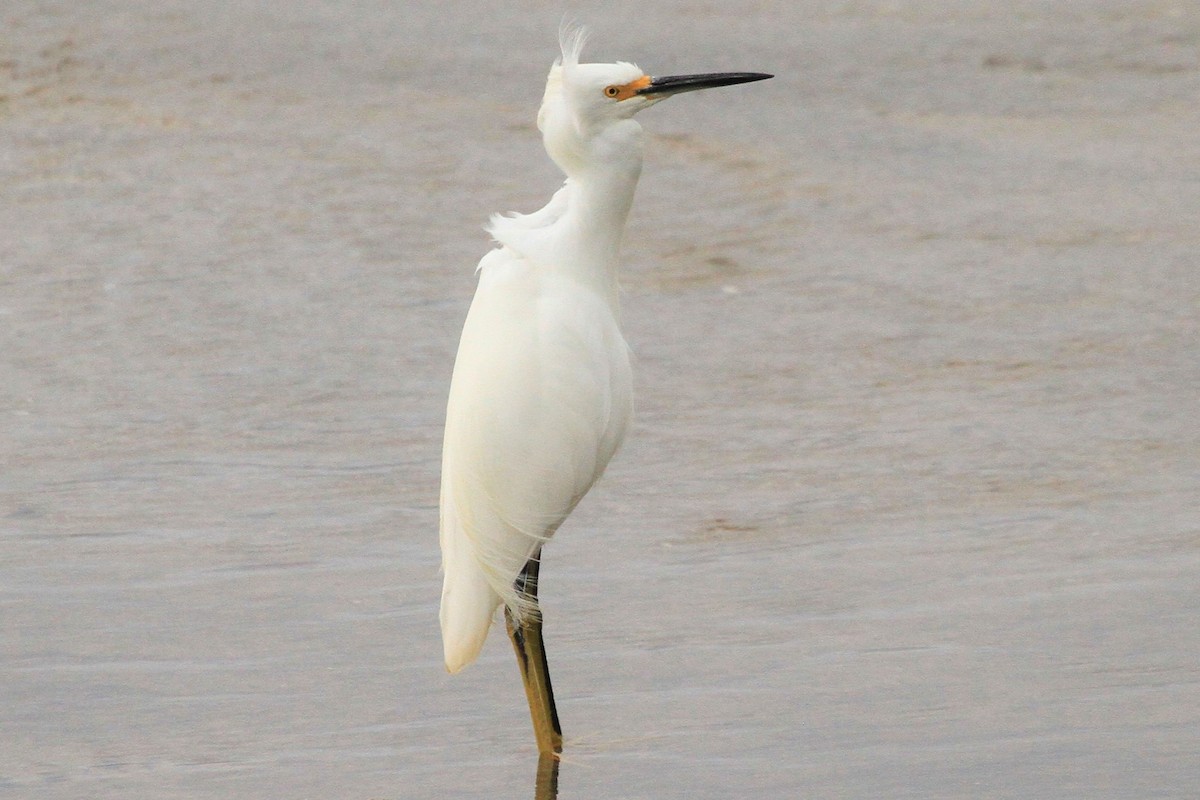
[539, 402]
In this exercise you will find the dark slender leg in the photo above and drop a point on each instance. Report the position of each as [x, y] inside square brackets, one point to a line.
[546, 787]
[531, 658]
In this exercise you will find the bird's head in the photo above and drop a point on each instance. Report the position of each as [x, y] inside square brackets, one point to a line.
[593, 104]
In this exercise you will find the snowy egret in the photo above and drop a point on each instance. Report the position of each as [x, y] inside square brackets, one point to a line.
[542, 391]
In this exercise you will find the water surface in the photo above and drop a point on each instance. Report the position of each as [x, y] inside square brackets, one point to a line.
[910, 505]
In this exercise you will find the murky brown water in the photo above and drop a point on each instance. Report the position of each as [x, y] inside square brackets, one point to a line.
[910, 507]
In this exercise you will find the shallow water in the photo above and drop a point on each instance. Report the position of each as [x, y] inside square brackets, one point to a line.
[910, 506]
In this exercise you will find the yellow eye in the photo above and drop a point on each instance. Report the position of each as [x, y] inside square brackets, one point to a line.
[612, 91]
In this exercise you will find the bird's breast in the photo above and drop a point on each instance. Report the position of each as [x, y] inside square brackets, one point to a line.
[540, 399]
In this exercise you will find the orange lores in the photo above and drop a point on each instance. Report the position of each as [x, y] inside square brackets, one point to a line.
[627, 90]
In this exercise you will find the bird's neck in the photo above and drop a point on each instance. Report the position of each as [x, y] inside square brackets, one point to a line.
[594, 224]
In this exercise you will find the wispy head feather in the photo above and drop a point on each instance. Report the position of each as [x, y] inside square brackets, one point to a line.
[571, 39]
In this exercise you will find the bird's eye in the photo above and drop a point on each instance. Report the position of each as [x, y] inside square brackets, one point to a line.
[612, 91]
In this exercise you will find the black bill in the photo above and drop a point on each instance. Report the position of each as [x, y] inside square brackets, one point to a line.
[675, 84]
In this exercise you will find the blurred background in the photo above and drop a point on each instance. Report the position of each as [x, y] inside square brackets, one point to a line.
[910, 505]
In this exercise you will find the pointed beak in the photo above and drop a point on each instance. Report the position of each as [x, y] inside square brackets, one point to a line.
[678, 84]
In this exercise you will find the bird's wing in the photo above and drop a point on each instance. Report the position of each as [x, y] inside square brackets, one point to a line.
[539, 402]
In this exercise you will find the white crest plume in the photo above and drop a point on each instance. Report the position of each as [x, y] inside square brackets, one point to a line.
[571, 39]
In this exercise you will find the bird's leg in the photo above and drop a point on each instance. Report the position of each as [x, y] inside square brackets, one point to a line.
[546, 787]
[531, 658]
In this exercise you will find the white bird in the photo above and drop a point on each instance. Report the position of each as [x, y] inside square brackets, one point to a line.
[542, 392]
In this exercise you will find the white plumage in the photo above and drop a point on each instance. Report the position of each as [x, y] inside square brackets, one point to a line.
[542, 389]
[542, 392]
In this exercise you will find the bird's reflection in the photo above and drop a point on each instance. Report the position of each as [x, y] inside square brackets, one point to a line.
[546, 787]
